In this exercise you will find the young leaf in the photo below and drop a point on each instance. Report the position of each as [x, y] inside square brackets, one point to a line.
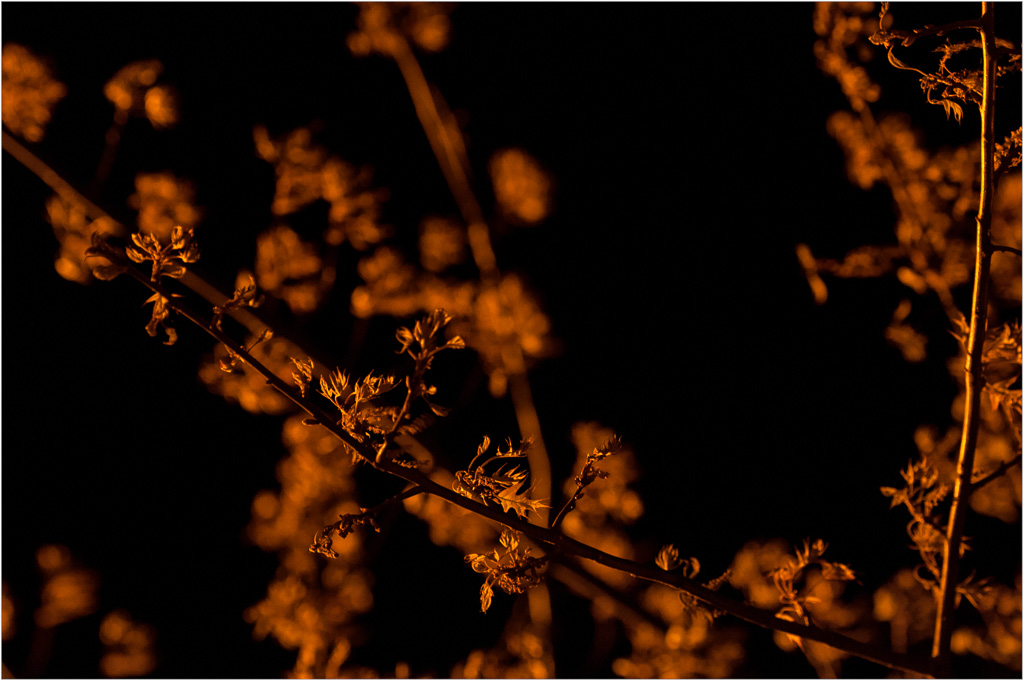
[486, 594]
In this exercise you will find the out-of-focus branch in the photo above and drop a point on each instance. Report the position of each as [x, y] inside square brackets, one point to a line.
[902, 194]
[446, 142]
[947, 597]
[54, 181]
[452, 166]
[626, 608]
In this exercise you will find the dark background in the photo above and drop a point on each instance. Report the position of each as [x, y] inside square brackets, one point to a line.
[689, 149]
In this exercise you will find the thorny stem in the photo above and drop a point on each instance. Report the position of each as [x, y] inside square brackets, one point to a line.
[947, 596]
[557, 541]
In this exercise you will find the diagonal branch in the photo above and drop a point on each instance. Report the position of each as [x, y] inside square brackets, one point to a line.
[69, 193]
[568, 571]
[563, 544]
[543, 535]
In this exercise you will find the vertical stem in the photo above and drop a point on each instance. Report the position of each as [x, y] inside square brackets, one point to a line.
[974, 377]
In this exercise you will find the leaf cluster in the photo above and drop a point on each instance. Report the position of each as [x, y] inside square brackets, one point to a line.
[243, 296]
[787, 576]
[589, 474]
[168, 260]
[503, 485]
[1008, 152]
[668, 559]
[346, 523]
[353, 400]
[423, 343]
[963, 84]
[1001, 364]
[230, 365]
[514, 571]
[921, 496]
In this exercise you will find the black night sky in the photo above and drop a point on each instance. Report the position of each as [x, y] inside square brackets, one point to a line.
[690, 155]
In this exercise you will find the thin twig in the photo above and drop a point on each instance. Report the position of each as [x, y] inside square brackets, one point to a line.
[569, 505]
[995, 473]
[407, 493]
[1006, 249]
[974, 377]
[946, 28]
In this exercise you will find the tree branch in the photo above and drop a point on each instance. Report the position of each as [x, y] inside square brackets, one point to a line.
[575, 577]
[997, 472]
[556, 540]
[69, 193]
[563, 544]
[1006, 249]
[568, 569]
[974, 378]
[53, 180]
